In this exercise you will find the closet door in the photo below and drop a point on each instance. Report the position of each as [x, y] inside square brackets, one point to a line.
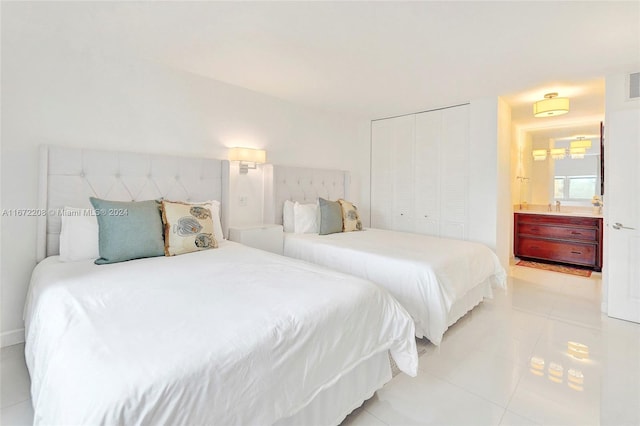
[426, 160]
[382, 142]
[403, 183]
[454, 172]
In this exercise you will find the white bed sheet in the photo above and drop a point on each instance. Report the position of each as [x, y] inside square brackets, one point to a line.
[427, 275]
[227, 336]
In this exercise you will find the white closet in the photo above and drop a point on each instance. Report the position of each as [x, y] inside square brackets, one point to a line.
[419, 173]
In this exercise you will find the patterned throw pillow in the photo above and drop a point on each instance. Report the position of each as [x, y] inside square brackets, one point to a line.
[350, 217]
[187, 228]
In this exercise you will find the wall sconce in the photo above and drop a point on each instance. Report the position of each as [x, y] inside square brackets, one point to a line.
[249, 158]
[551, 106]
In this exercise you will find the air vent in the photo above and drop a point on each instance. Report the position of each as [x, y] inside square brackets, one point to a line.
[634, 85]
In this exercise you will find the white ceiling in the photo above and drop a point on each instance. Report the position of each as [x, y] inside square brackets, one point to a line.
[370, 59]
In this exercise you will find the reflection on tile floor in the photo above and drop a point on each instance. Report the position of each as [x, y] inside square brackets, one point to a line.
[508, 362]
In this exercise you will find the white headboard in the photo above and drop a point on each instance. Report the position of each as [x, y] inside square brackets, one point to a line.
[69, 176]
[300, 184]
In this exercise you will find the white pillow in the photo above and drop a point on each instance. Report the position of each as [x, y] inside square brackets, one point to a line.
[305, 218]
[79, 235]
[217, 226]
[288, 222]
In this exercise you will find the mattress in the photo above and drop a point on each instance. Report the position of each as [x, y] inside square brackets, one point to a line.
[226, 336]
[427, 275]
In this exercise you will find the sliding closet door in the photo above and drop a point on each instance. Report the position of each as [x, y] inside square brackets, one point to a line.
[382, 141]
[454, 175]
[392, 187]
[419, 173]
[427, 172]
[403, 183]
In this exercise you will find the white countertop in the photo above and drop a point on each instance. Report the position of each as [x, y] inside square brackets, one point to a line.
[577, 213]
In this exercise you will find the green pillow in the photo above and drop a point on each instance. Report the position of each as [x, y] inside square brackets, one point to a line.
[330, 217]
[128, 230]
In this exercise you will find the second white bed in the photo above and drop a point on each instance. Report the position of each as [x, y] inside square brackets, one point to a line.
[437, 280]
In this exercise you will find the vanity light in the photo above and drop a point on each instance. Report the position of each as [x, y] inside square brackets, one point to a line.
[551, 106]
[557, 153]
[539, 154]
[581, 142]
[249, 158]
[577, 153]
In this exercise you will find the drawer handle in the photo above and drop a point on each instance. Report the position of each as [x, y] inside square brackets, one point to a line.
[534, 247]
[576, 252]
[576, 233]
[535, 229]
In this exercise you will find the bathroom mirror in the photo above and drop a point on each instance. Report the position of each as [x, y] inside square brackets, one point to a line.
[562, 164]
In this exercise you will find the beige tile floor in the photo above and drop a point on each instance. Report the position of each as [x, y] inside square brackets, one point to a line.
[482, 374]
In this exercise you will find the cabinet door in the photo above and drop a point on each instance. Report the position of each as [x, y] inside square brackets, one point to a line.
[426, 160]
[454, 179]
[403, 187]
[382, 141]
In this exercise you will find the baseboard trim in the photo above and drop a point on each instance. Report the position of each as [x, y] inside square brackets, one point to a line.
[12, 337]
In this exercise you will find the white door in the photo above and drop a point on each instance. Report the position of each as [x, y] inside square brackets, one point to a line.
[403, 186]
[382, 141]
[426, 172]
[622, 205]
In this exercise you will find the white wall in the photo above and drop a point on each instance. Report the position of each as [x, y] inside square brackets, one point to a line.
[55, 92]
[489, 174]
[504, 218]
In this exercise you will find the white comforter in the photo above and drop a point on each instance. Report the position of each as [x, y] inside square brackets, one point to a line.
[426, 274]
[227, 336]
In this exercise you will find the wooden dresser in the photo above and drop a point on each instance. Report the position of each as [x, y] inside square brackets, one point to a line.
[573, 240]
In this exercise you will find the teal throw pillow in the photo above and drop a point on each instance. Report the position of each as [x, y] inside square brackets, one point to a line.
[330, 217]
[128, 230]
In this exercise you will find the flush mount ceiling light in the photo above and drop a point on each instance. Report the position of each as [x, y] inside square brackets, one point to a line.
[551, 106]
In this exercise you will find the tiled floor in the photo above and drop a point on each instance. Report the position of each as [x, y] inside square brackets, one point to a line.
[484, 373]
[489, 371]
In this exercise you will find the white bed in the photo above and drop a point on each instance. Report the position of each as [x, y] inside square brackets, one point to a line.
[232, 335]
[437, 280]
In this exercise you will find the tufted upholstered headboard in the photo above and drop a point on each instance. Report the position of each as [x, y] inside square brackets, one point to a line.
[69, 176]
[300, 184]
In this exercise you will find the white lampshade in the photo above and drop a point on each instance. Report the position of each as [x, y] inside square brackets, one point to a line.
[551, 106]
[248, 155]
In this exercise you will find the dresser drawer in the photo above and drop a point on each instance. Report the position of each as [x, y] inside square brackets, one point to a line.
[557, 220]
[577, 253]
[583, 234]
